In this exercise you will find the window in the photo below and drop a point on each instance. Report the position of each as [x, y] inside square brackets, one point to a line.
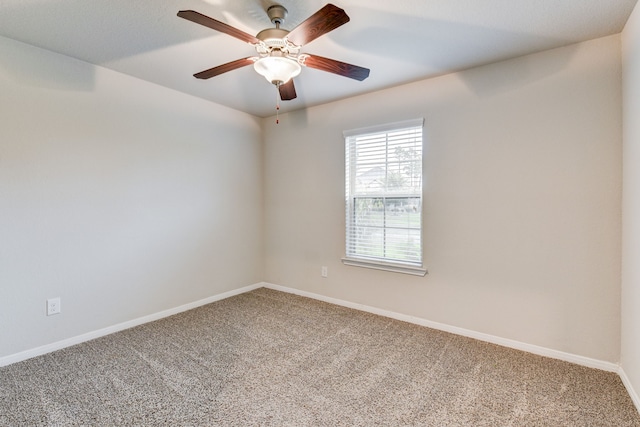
[384, 197]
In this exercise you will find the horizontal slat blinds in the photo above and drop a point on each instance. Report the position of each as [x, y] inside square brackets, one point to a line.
[384, 194]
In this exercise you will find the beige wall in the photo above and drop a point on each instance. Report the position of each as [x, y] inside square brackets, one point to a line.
[119, 196]
[630, 357]
[522, 199]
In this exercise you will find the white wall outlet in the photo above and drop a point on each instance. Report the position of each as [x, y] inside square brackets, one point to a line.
[53, 306]
[324, 271]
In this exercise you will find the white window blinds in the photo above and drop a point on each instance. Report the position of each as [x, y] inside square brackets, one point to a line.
[384, 193]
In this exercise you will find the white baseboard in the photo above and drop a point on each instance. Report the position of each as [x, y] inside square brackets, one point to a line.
[530, 348]
[627, 383]
[542, 351]
[38, 351]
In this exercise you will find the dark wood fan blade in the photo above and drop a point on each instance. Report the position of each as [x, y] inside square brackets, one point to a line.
[211, 72]
[201, 19]
[336, 67]
[287, 91]
[326, 19]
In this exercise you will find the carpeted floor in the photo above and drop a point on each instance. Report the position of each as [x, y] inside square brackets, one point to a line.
[271, 358]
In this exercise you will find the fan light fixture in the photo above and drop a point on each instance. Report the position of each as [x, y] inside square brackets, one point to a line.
[277, 69]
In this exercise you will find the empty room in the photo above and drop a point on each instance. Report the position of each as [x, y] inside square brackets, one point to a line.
[300, 213]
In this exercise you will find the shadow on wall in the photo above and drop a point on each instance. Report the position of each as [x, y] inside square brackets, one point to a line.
[517, 73]
[39, 68]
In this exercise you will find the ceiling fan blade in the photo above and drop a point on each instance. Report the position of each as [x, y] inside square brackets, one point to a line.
[287, 91]
[326, 19]
[336, 67]
[201, 19]
[212, 72]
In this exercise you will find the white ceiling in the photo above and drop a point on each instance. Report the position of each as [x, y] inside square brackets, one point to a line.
[400, 40]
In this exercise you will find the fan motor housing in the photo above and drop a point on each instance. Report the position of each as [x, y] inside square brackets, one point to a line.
[273, 37]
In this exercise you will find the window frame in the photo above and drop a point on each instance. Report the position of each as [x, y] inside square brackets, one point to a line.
[413, 268]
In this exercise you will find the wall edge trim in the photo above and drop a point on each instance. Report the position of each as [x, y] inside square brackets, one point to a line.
[530, 348]
[505, 342]
[629, 386]
[68, 342]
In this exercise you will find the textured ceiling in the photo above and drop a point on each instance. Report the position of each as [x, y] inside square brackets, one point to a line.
[400, 41]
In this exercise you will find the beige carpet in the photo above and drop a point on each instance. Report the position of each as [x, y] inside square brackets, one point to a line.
[271, 358]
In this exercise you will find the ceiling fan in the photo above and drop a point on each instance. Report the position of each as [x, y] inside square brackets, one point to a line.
[279, 58]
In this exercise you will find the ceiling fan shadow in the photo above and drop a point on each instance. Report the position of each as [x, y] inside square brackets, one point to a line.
[252, 13]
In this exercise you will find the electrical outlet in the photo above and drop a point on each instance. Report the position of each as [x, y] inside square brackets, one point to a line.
[53, 306]
[324, 271]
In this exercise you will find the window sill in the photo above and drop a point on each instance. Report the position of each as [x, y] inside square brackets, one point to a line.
[378, 265]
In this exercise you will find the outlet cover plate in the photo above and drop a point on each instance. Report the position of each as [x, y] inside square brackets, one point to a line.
[53, 306]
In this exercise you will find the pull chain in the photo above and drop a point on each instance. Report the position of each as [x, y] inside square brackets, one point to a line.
[277, 103]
